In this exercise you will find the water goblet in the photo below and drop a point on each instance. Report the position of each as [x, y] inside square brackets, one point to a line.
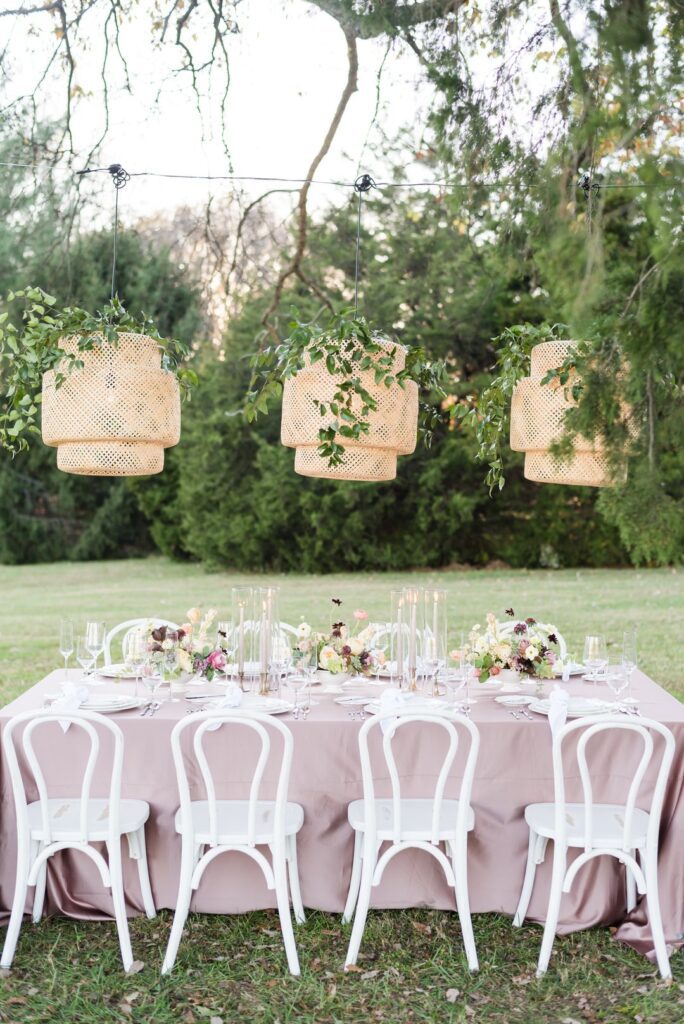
[300, 684]
[453, 681]
[135, 654]
[629, 660]
[66, 643]
[595, 655]
[84, 658]
[617, 679]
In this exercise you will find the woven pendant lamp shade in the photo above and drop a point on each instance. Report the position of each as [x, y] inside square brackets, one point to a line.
[537, 414]
[373, 457]
[116, 415]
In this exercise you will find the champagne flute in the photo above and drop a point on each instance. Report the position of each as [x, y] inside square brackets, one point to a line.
[66, 643]
[595, 655]
[95, 636]
[135, 654]
[84, 658]
[629, 660]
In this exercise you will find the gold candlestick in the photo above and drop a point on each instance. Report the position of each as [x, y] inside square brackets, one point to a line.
[263, 684]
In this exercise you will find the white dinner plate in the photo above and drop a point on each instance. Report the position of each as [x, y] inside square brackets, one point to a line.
[351, 700]
[430, 704]
[514, 700]
[578, 707]
[118, 671]
[253, 702]
[574, 669]
[110, 703]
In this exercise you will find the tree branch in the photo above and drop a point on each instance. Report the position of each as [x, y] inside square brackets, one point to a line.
[389, 17]
[293, 267]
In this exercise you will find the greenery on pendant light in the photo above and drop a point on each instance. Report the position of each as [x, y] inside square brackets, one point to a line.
[31, 349]
[350, 346]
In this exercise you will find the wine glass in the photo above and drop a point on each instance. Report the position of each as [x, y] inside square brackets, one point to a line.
[135, 654]
[453, 681]
[629, 660]
[617, 679]
[300, 683]
[66, 643]
[595, 655]
[152, 677]
[380, 646]
[95, 636]
[84, 658]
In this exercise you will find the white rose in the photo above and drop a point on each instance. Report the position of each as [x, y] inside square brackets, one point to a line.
[531, 652]
[327, 654]
[481, 645]
[355, 644]
[303, 630]
[502, 651]
[168, 645]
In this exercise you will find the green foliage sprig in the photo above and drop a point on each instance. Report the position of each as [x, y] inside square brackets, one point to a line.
[31, 349]
[349, 347]
[489, 416]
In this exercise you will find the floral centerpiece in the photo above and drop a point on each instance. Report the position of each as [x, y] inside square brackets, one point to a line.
[344, 650]
[524, 650]
[186, 650]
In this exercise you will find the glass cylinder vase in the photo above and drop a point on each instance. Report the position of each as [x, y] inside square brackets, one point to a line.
[243, 631]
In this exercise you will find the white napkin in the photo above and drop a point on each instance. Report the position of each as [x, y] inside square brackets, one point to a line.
[391, 699]
[71, 698]
[232, 699]
[558, 708]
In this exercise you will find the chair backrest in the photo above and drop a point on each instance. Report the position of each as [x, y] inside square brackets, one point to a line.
[88, 722]
[397, 721]
[263, 726]
[128, 627]
[507, 628]
[642, 729]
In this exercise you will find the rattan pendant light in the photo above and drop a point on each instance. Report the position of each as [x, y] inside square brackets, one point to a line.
[116, 414]
[537, 414]
[373, 457]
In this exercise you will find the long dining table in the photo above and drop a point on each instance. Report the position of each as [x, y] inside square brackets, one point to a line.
[514, 769]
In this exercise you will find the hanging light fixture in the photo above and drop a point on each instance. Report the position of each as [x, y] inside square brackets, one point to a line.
[393, 425]
[116, 414]
[537, 422]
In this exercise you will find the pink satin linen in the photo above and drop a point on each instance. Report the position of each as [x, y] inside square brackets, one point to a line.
[514, 769]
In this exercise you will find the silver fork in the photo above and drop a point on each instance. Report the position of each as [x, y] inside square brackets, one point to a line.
[525, 713]
[153, 708]
[516, 714]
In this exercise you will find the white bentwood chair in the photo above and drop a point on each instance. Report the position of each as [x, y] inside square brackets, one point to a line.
[50, 824]
[411, 823]
[129, 627]
[600, 830]
[237, 825]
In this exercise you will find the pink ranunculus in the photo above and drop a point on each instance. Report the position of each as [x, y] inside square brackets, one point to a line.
[523, 645]
[477, 672]
[494, 670]
[360, 615]
[217, 660]
[551, 657]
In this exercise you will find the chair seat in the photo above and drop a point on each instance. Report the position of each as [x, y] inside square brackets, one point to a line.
[608, 824]
[65, 818]
[416, 818]
[232, 820]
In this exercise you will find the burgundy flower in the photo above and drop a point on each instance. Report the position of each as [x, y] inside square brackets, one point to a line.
[364, 658]
[155, 647]
[553, 638]
[509, 611]
[520, 628]
[336, 629]
[336, 600]
[530, 621]
[346, 650]
[159, 634]
[180, 634]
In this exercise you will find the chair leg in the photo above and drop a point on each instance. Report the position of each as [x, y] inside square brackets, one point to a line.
[355, 880]
[138, 845]
[370, 856]
[119, 900]
[41, 882]
[655, 919]
[282, 897]
[528, 881]
[293, 874]
[631, 887]
[459, 860]
[18, 904]
[557, 877]
[189, 858]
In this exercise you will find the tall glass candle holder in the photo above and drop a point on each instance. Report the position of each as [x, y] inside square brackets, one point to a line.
[243, 629]
[434, 635]
[267, 608]
[397, 638]
[414, 617]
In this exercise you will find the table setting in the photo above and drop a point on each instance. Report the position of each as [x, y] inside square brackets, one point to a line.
[507, 677]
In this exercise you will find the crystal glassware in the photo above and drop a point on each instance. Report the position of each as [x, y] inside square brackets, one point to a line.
[84, 658]
[66, 643]
[243, 626]
[434, 636]
[617, 679]
[95, 637]
[629, 660]
[414, 619]
[135, 654]
[595, 654]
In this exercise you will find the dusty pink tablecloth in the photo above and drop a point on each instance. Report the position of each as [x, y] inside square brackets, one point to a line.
[514, 769]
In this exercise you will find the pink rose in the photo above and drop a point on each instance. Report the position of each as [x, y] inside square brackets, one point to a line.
[494, 670]
[477, 672]
[217, 660]
[360, 615]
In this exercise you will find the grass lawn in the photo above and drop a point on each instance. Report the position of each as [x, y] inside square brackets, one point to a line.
[411, 967]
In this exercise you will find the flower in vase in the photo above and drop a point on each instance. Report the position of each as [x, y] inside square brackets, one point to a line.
[168, 644]
[494, 670]
[217, 660]
[303, 630]
[185, 660]
[355, 645]
[531, 652]
[360, 615]
[379, 657]
[186, 628]
[194, 615]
